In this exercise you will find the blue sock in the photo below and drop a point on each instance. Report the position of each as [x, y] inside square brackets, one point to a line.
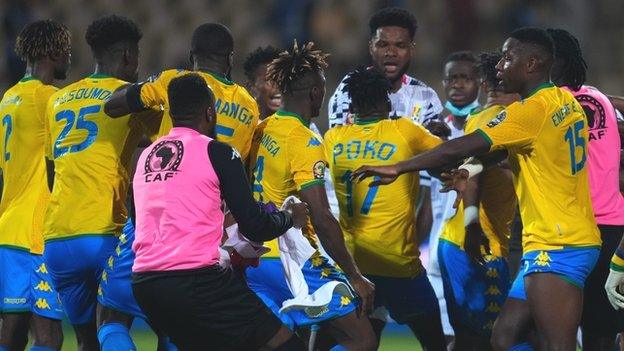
[115, 337]
[338, 348]
[525, 346]
[39, 348]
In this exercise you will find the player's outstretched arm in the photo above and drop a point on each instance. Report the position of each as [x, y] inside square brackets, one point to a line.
[328, 230]
[448, 153]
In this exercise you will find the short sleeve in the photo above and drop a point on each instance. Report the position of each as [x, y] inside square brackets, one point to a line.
[328, 145]
[517, 126]
[48, 119]
[307, 157]
[338, 107]
[418, 138]
[249, 132]
[42, 98]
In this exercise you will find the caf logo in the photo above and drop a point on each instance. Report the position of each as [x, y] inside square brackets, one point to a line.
[165, 157]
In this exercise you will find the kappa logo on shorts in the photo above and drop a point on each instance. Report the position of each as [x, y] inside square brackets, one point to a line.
[498, 119]
[43, 286]
[42, 304]
[164, 160]
[316, 312]
[42, 269]
[14, 300]
[492, 290]
[542, 259]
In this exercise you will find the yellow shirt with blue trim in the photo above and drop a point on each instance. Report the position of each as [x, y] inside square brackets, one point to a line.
[91, 153]
[286, 157]
[25, 193]
[379, 223]
[497, 198]
[546, 136]
[236, 110]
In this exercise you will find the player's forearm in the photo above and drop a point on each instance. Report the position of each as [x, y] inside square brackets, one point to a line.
[617, 102]
[331, 237]
[424, 219]
[450, 152]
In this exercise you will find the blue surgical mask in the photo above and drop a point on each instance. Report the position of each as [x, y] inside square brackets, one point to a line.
[461, 111]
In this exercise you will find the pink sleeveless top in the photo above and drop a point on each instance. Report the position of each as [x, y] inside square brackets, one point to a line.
[179, 221]
[604, 156]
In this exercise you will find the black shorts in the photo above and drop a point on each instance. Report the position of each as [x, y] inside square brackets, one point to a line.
[599, 317]
[205, 309]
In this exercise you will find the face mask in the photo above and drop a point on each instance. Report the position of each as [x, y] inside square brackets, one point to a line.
[461, 111]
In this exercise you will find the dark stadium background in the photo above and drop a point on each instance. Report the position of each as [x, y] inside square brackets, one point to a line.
[338, 27]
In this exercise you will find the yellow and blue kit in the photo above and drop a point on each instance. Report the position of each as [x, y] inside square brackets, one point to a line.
[475, 293]
[25, 285]
[288, 157]
[379, 223]
[91, 153]
[546, 136]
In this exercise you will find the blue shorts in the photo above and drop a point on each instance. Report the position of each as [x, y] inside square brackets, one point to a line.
[571, 264]
[115, 289]
[75, 265]
[474, 293]
[25, 285]
[269, 283]
[405, 298]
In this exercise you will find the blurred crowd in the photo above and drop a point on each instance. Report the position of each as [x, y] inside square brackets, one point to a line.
[337, 26]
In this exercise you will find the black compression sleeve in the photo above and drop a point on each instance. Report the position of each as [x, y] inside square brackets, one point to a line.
[253, 221]
[133, 98]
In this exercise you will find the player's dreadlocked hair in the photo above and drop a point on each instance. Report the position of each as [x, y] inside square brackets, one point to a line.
[110, 30]
[292, 65]
[42, 39]
[568, 49]
[258, 57]
[366, 87]
[393, 16]
[487, 67]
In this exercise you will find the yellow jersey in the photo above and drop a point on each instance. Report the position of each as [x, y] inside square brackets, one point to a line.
[91, 153]
[546, 135]
[497, 198]
[236, 110]
[286, 157]
[25, 193]
[379, 223]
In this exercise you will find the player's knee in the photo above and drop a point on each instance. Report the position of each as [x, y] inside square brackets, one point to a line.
[502, 338]
[52, 340]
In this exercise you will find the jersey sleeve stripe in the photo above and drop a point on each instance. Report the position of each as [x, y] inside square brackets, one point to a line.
[485, 136]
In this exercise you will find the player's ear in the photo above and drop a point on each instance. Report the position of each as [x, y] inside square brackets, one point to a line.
[191, 59]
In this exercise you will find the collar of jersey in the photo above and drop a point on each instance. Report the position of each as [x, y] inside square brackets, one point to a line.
[219, 77]
[27, 79]
[363, 122]
[540, 87]
[283, 113]
[99, 75]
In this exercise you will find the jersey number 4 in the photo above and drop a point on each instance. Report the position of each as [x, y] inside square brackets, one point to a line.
[368, 199]
[575, 139]
[80, 123]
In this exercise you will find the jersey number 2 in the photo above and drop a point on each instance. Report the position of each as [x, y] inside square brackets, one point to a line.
[368, 199]
[575, 139]
[8, 124]
[69, 116]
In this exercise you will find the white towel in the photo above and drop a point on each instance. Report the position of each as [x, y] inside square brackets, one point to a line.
[295, 251]
[237, 241]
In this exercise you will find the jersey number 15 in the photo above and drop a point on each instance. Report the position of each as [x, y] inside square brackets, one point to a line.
[575, 139]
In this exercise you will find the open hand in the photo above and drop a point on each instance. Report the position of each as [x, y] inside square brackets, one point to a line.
[456, 180]
[614, 281]
[383, 174]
